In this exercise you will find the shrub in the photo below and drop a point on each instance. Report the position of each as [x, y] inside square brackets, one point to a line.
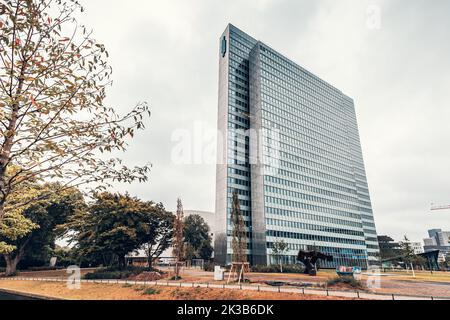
[140, 288]
[347, 280]
[44, 268]
[209, 267]
[114, 273]
[151, 291]
[294, 268]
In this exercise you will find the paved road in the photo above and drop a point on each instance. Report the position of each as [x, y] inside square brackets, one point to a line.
[8, 296]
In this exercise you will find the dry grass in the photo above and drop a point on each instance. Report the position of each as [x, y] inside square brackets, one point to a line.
[421, 276]
[91, 291]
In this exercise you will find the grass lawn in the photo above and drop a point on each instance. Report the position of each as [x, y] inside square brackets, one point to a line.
[421, 276]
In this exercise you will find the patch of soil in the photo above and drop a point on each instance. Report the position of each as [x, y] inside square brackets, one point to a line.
[148, 276]
[345, 287]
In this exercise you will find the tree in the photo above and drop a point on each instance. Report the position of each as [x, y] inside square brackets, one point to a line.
[47, 215]
[65, 256]
[54, 125]
[113, 226]
[159, 234]
[178, 238]
[14, 224]
[197, 238]
[279, 249]
[408, 254]
[206, 250]
[239, 233]
[388, 248]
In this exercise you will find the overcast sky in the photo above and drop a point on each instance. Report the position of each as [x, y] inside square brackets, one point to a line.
[166, 53]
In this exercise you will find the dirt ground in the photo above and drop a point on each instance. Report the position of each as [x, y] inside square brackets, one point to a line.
[411, 287]
[190, 275]
[425, 283]
[91, 291]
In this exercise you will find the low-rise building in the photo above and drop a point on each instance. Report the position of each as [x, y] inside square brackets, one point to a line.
[438, 240]
[417, 247]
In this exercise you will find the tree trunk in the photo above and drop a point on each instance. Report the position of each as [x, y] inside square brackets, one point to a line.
[149, 257]
[122, 263]
[2, 198]
[11, 264]
[177, 270]
[13, 260]
[150, 261]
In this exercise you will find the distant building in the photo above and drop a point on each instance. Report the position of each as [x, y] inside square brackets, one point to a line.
[417, 247]
[432, 258]
[438, 240]
[430, 242]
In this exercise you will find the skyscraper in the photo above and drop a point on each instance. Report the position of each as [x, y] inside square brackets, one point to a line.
[291, 149]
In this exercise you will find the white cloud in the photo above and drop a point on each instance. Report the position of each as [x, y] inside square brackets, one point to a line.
[166, 52]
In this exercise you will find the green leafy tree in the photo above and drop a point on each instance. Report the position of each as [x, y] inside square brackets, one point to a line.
[65, 256]
[47, 214]
[408, 254]
[159, 233]
[197, 238]
[388, 248]
[14, 224]
[206, 250]
[279, 249]
[113, 226]
[54, 124]
[190, 253]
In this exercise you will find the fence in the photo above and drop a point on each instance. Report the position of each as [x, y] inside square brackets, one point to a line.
[259, 288]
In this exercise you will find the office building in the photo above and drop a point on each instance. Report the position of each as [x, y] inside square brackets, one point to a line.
[293, 154]
[438, 240]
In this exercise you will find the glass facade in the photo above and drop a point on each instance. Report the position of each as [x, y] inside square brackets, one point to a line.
[294, 155]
